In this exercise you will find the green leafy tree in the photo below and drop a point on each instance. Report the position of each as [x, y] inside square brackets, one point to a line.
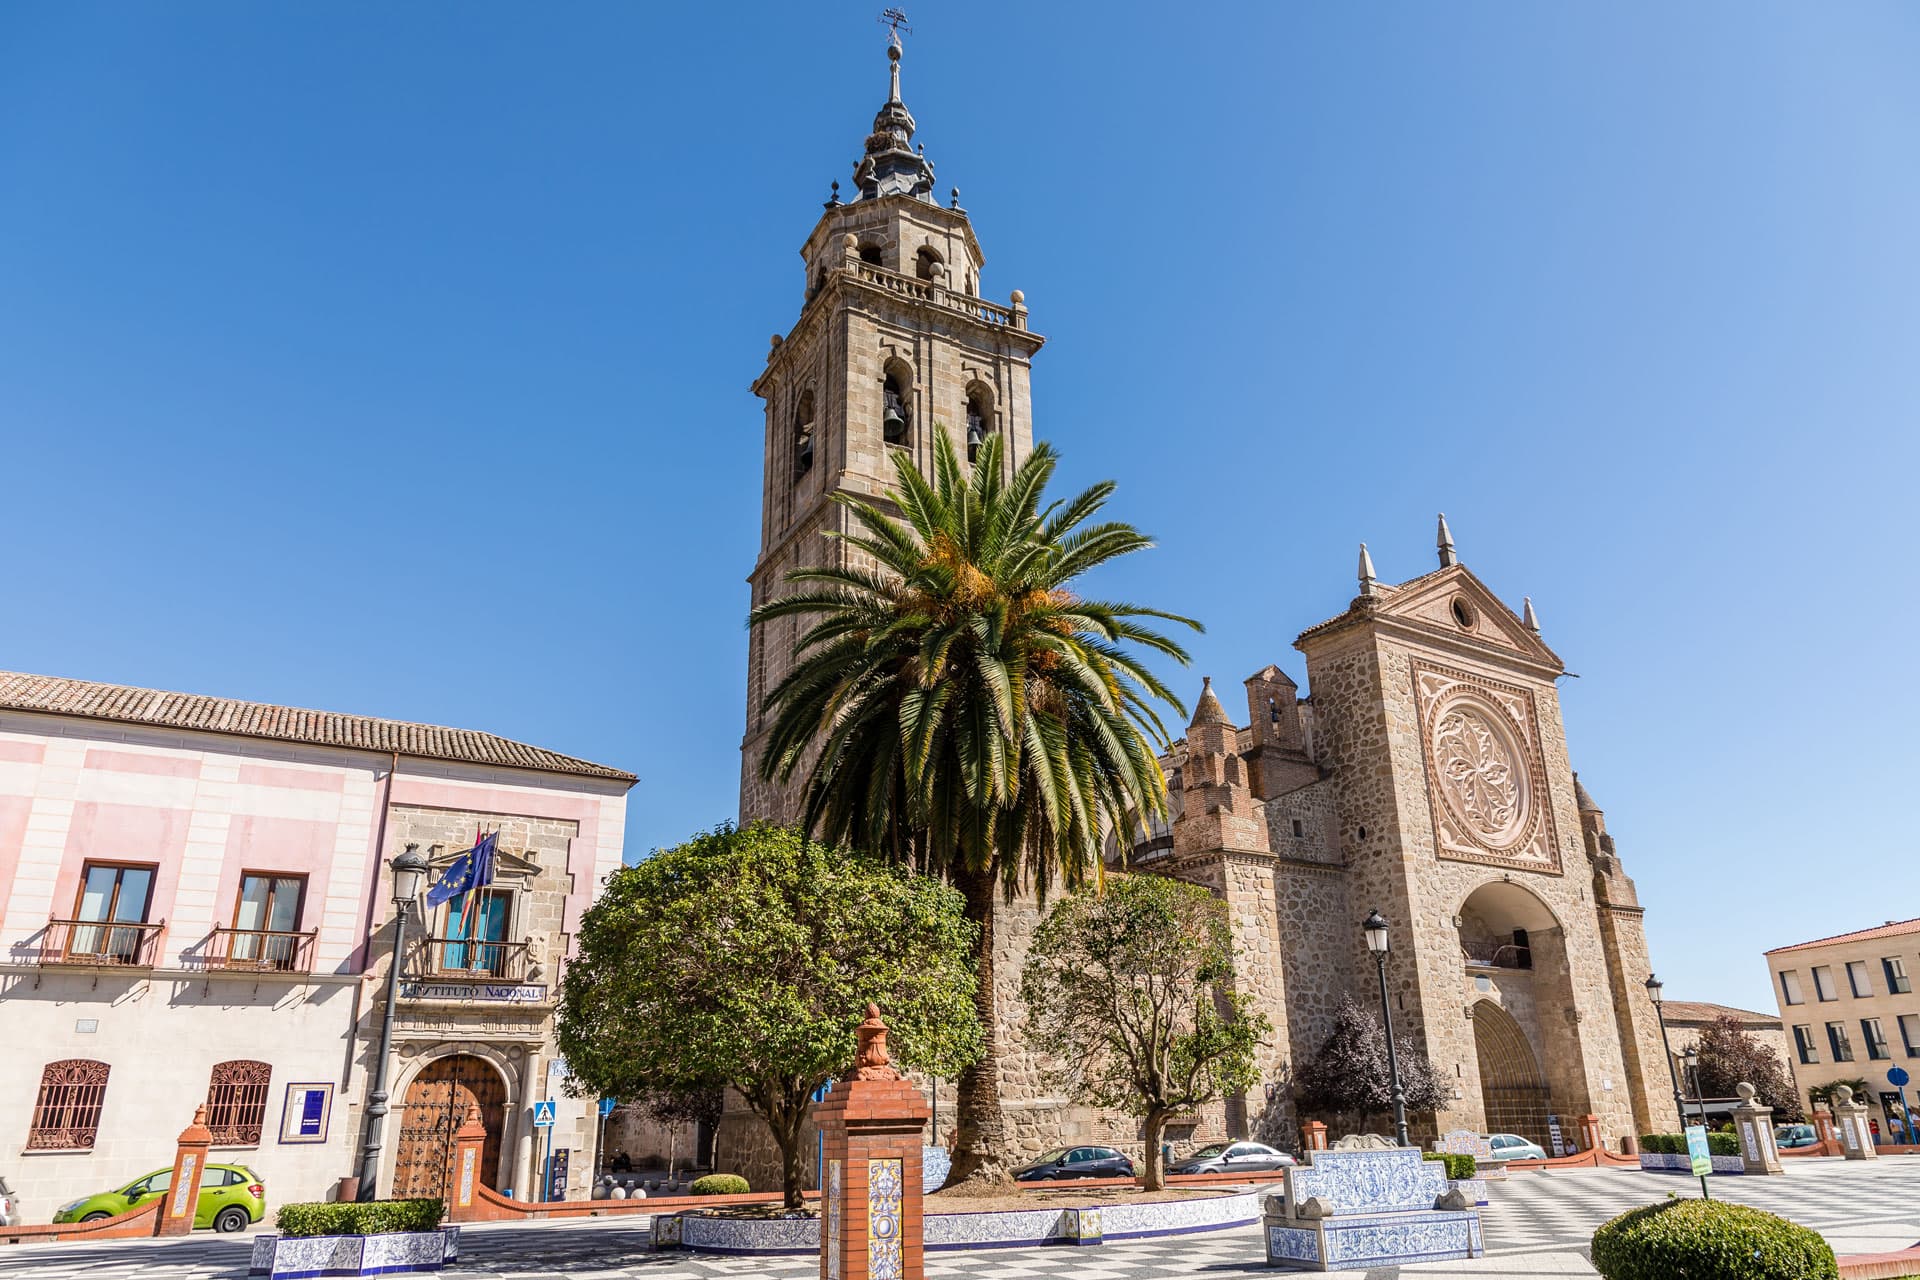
[749, 957]
[1130, 988]
[959, 707]
[1730, 1056]
[1349, 1080]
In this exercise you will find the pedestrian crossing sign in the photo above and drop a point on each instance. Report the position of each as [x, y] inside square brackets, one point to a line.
[543, 1114]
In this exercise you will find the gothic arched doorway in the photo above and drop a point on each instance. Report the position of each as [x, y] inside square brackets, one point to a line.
[435, 1107]
[1512, 1091]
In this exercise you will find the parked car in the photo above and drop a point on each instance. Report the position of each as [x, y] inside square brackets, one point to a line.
[232, 1198]
[1233, 1157]
[9, 1207]
[1076, 1162]
[1511, 1146]
[1795, 1135]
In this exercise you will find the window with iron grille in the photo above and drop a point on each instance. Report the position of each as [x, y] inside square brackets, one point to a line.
[237, 1102]
[66, 1115]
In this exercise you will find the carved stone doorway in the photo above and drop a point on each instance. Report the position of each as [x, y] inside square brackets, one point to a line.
[1512, 1091]
[436, 1106]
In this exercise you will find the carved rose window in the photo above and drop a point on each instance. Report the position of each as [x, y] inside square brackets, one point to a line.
[1482, 772]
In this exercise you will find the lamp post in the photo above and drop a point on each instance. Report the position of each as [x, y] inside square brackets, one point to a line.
[1375, 926]
[1679, 1103]
[409, 869]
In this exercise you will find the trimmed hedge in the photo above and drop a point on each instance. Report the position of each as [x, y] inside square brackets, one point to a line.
[1675, 1144]
[351, 1218]
[1709, 1240]
[1458, 1166]
[720, 1184]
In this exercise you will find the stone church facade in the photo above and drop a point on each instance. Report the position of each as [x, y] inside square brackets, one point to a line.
[1425, 773]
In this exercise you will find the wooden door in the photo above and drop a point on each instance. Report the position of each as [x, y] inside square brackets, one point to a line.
[435, 1107]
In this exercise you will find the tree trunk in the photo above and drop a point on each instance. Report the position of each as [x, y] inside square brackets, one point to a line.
[1156, 1176]
[788, 1126]
[980, 1126]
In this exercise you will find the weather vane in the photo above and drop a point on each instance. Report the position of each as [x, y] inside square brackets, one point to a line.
[895, 21]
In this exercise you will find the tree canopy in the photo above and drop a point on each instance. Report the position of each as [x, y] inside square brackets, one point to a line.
[1348, 1078]
[958, 705]
[748, 957]
[1131, 989]
[1729, 1056]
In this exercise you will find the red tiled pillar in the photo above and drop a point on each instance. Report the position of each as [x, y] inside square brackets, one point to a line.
[182, 1200]
[1590, 1133]
[1314, 1134]
[870, 1227]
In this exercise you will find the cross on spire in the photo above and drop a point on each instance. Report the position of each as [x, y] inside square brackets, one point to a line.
[895, 22]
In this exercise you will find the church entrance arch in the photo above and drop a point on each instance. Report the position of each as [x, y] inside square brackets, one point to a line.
[436, 1106]
[1513, 1093]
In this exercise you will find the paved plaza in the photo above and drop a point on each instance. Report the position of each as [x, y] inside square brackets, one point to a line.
[1537, 1225]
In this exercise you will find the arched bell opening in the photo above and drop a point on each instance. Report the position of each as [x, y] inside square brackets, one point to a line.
[896, 413]
[980, 418]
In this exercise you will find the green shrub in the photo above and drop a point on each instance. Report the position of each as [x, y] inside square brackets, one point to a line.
[1458, 1166]
[721, 1184]
[1709, 1240]
[1723, 1144]
[350, 1218]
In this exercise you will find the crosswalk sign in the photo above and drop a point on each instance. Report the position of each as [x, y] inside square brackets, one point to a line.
[543, 1114]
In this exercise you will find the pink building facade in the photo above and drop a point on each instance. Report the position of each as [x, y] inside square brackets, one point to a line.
[196, 907]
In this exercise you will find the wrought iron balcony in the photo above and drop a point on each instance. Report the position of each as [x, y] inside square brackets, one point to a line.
[93, 944]
[461, 958]
[1509, 956]
[259, 951]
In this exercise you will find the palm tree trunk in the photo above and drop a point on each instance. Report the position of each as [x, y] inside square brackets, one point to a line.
[980, 1126]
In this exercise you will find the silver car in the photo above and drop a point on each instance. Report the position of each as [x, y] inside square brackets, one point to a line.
[1511, 1146]
[1234, 1157]
[10, 1214]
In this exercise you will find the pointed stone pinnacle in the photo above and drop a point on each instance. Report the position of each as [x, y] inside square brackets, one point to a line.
[1208, 710]
[1528, 616]
[1366, 571]
[1447, 557]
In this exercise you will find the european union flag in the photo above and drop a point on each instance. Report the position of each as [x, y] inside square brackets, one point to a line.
[455, 880]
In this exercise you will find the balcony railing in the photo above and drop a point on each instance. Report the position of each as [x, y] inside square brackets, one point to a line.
[260, 951]
[1509, 956]
[101, 943]
[922, 291]
[475, 961]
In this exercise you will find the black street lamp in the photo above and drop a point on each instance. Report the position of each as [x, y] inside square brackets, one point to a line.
[1679, 1103]
[409, 869]
[1375, 926]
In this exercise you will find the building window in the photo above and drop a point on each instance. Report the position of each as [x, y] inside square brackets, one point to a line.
[1876, 1038]
[870, 254]
[1896, 969]
[1299, 829]
[473, 935]
[1838, 1042]
[927, 261]
[266, 919]
[66, 1115]
[896, 414]
[237, 1102]
[1859, 979]
[1823, 982]
[1790, 988]
[1910, 1033]
[111, 893]
[803, 434]
[1803, 1043]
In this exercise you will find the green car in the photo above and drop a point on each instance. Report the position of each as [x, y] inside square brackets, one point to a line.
[232, 1198]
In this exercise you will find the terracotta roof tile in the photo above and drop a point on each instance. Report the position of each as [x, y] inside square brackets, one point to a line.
[125, 705]
[1684, 1012]
[1891, 929]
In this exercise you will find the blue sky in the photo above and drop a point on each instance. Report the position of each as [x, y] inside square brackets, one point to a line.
[394, 359]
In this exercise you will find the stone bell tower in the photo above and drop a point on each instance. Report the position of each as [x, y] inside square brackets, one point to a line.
[893, 343]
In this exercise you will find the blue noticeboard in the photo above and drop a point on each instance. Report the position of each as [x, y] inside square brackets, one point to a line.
[1698, 1151]
[543, 1114]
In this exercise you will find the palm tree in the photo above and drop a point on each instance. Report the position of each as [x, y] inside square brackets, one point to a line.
[965, 712]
